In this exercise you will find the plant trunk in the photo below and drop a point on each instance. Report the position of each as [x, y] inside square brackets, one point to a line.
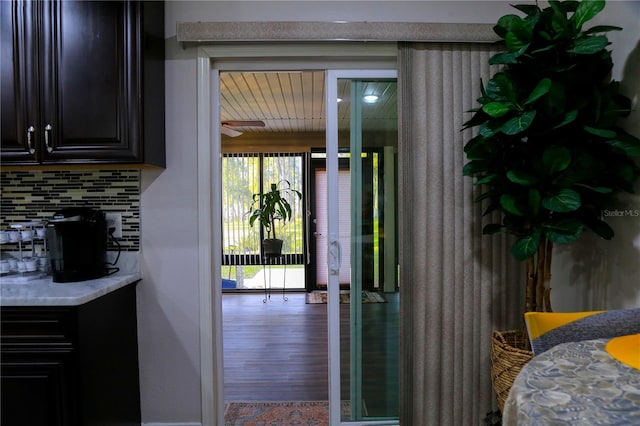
[540, 262]
[538, 279]
[272, 234]
[530, 301]
[547, 277]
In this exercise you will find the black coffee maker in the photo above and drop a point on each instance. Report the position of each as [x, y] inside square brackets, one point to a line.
[77, 238]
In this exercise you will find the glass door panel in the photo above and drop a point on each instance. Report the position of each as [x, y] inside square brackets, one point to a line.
[344, 194]
[369, 330]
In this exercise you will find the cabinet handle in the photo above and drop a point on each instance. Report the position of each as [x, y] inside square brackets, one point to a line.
[47, 132]
[30, 132]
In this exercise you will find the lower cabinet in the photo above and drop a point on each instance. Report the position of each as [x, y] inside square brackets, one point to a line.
[74, 365]
[36, 389]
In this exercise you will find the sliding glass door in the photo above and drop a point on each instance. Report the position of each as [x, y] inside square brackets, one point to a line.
[363, 334]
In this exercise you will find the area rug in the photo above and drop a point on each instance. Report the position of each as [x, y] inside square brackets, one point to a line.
[320, 296]
[281, 413]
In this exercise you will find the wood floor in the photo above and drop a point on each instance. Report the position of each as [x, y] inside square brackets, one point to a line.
[277, 351]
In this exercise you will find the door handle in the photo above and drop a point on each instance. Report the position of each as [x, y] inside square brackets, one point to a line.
[334, 256]
[30, 131]
[47, 132]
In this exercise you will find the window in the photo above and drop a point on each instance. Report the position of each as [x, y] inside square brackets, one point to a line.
[243, 175]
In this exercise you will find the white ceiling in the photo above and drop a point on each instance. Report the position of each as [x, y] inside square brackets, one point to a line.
[295, 101]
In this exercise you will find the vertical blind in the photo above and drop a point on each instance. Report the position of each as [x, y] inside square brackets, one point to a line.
[456, 285]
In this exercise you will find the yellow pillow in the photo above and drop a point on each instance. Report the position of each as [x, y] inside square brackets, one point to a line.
[548, 329]
[539, 323]
[625, 349]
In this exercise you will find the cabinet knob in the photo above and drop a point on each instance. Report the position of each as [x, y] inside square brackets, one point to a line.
[47, 132]
[30, 132]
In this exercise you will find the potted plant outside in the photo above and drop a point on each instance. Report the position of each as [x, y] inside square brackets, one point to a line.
[549, 154]
[269, 207]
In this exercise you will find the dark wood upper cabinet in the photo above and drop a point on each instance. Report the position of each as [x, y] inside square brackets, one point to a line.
[82, 82]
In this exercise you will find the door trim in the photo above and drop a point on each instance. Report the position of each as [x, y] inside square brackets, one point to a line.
[208, 136]
[210, 60]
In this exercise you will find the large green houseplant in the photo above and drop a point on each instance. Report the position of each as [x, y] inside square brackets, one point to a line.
[270, 207]
[549, 154]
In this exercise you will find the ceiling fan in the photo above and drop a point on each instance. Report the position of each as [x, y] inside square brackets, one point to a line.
[226, 126]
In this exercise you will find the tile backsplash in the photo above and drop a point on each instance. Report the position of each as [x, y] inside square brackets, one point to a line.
[37, 194]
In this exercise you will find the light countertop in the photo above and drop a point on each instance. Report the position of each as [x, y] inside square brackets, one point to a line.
[44, 292]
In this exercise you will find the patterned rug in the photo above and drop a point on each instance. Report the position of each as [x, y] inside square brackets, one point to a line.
[320, 296]
[285, 413]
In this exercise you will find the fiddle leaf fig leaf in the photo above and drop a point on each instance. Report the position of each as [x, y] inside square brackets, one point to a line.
[505, 23]
[514, 43]
[487, 179]
[509, 204]
[627, 175]
[496, 109]
[518, 124]
[629, 146]
[564, 230]
[556, 159]
[523, 29]
[478, 118]
[543, 49]
[492, 208]
[529, 9]
[526, 246]
[500, 88]
[507, 57]
[489, 129]
[598, 189]
[559, 21]
[535, 202]
[603, 133]
[541, 89]
[570, 5]
[474, 167]
[568, 118]
[558, 237]
[483, 196]
[586, 11]
[492, 228]
[521, 178]
[519, 35]
[601, 29]
[589, 45]
[557, 7]
[564, 201]
[479, 148]
[602, 229]
[554, 104]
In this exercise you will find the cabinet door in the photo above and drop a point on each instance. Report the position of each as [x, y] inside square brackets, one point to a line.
[90, 95]
[18, 140]
[36, 389]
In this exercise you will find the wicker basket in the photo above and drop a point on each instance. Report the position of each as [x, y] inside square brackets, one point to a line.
[509, 353]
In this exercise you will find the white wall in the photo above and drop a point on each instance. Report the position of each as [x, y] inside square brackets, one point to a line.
[168, 314]
[594, 273]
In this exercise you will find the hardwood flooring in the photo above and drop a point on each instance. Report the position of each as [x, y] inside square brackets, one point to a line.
[277, 351]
